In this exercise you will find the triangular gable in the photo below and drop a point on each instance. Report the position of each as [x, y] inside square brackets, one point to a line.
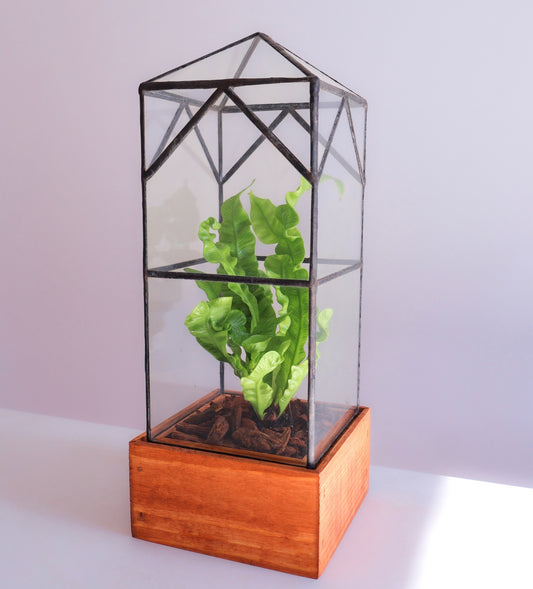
[251, 57]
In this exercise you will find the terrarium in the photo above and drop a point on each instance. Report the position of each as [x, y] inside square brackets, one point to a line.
[253, 180]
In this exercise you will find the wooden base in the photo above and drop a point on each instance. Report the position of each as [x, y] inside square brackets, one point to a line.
[277, 516]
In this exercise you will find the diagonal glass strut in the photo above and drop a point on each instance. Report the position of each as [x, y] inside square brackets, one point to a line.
[254, 146]
[168, 132]
[279, 145]
[174, 144]
[323, 141]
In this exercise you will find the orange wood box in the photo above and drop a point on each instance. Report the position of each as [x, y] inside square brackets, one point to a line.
[272, 515]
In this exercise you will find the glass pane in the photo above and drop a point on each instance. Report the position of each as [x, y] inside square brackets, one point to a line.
[319, 74]
[253, 58]
[264, 201]
[247, 158]
[266, 62]
[336, 380]
[222, 64]
[178, 374]
[179, 196]
[284, 108]
[239, 135]
[191, 331]
[328, 109]
[358, 115]
[283, 95]
[165, 115]
[340, 191]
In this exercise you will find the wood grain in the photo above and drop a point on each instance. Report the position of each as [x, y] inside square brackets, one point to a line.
[272, 515]
[344, 474]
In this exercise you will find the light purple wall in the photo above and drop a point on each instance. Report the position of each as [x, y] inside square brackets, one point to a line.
[448, 332]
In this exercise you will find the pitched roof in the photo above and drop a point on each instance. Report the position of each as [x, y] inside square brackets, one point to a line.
[250, 60]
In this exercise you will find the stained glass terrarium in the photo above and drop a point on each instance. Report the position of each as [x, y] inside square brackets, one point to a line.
[253, 180]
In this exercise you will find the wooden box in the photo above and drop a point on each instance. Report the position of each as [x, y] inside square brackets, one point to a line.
[272, 515]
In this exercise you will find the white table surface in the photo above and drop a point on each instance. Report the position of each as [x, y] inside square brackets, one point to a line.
[64, 513]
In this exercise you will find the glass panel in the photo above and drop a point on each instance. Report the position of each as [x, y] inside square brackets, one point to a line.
[340, 192]
[328, 108]
[165, 115]
[283, 99]
[358, 115]
[247, 156]
[284, 108]
[316, 72]
[264, 201]
[266, 62]
[295, 136]
[191, 405]
[336, 140]
[222, 64]
[179, 197]
[179, 375]
[238, 136]
[253, 58]
[288, 94]
[336, 380]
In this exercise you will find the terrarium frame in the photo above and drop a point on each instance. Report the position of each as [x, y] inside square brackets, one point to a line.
[330, 463]
[223, 89]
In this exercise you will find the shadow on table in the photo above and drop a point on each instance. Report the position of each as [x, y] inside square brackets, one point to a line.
[384, 542]
[66, 469]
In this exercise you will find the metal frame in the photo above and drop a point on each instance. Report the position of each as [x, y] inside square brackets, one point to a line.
[224, 100]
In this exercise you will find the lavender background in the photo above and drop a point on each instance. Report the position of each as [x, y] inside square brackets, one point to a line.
[447, 319]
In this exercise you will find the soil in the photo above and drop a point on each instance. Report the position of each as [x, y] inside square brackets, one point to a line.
[229, 421]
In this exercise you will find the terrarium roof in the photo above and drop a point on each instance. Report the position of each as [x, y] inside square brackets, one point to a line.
[256, 59]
